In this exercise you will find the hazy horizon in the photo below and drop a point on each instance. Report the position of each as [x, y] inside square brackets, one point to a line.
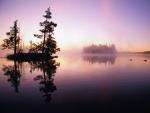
[124, 23]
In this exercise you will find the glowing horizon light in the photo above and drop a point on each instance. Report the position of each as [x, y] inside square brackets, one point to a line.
[124, 23]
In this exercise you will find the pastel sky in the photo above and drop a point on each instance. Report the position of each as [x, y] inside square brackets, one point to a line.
[125, 23]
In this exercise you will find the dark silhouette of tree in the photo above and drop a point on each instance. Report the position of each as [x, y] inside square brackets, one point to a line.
[35, 48]
[48, 45]
[48, 69]
[14, 74]
[13, 39]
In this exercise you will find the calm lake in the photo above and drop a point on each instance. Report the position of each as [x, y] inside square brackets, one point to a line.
[83, 83]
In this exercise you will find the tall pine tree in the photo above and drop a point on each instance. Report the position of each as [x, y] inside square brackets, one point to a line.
[13, 39]
[48, 45]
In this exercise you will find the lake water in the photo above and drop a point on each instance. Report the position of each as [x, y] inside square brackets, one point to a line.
[83, 83]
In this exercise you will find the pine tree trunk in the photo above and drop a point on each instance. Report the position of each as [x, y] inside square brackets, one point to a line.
[44, 41]
[15, 37]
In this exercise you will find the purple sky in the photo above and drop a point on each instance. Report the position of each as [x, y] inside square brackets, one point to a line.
[125, 23]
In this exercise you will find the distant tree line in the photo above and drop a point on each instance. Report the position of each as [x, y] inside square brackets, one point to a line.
[100, 49]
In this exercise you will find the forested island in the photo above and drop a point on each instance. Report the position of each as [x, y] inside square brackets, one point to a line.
[104, 49]
[42, 50]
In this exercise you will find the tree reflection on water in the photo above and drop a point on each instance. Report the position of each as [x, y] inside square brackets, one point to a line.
[48, 69]
[46, 80]
[13, 72]
[106, 59]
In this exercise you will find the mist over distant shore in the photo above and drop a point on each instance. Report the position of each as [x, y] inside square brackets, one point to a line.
[104, 49]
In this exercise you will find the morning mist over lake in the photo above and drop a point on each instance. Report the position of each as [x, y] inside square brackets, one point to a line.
[74, 56]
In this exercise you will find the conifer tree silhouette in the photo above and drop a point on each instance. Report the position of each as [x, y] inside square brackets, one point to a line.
[48, 45]
[12, 42]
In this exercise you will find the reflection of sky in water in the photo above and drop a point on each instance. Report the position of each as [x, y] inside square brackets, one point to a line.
[83, 79]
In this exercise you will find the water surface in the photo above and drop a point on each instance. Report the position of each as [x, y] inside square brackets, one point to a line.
[85, 83]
